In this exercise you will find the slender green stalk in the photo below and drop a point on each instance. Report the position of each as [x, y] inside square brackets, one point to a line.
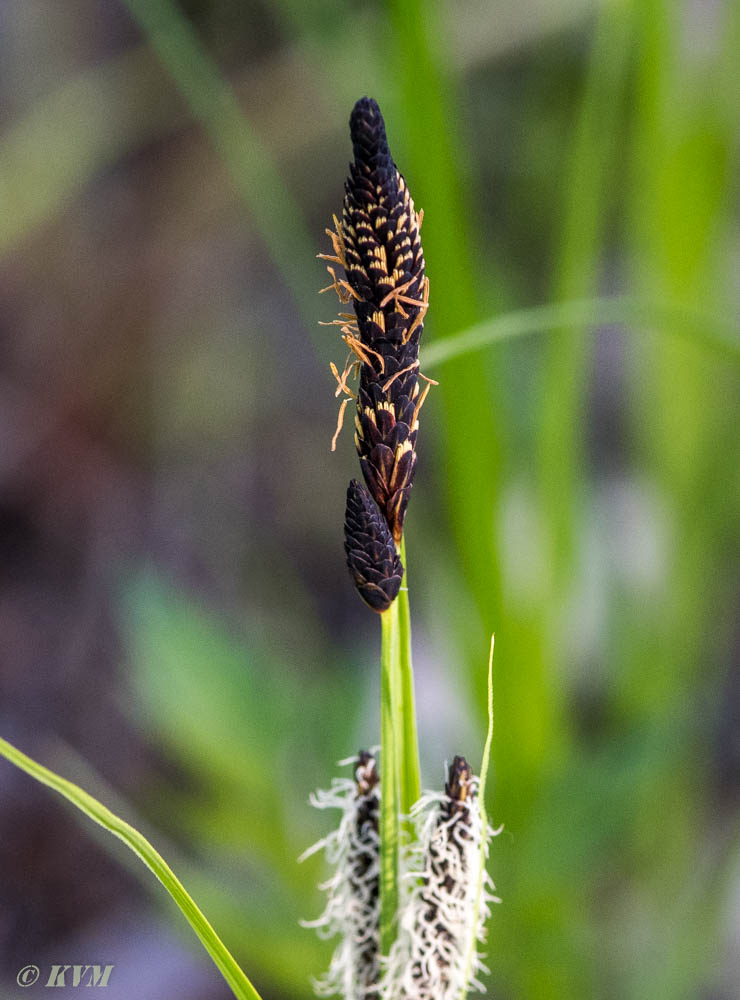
[390, 800]
[400, 779]
[410, 770]
[96, 811]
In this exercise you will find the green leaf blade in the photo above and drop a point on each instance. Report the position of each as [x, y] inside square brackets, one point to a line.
[485, 762]
[222, 958]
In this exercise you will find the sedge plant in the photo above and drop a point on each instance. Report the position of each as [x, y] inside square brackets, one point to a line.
[409, 894]
[410, 891]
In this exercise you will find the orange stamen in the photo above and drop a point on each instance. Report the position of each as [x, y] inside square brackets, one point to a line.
[403, 371]
[340, 422]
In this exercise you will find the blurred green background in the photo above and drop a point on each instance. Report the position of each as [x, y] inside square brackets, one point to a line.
[174, 606]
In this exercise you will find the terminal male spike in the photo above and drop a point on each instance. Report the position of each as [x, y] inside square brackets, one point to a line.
[384, 267]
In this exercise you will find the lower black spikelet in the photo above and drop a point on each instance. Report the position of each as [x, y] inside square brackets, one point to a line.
[372, 557]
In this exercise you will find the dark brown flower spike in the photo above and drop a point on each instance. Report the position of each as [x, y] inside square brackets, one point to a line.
[372, 557]
[378, 246]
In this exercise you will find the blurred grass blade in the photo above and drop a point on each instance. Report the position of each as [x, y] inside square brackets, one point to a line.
[255, 175]
[390, 749]
[588, 193]
[484, 820]
[74, 133]
[410, 769]
[713, 333]
[96, 811]
[429, 121]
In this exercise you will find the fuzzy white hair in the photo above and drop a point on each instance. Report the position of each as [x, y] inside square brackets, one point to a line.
[353, 900]
[447, 894]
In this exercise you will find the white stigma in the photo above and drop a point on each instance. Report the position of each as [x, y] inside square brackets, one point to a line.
[352, 909]
[446, 897]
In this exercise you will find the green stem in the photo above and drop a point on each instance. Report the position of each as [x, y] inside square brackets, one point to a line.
[400, 779]
[135, 841]
[390, 689]
[410, 770]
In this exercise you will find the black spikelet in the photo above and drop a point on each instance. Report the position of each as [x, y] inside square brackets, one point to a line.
[372, 557]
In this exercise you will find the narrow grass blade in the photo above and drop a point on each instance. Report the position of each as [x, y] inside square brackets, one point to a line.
[588, 195]
[484, 820]
[410, 770]
[390, 749]
[96, 811]
[713, 333]
[486, 760]
[437, 162]
[256, 178]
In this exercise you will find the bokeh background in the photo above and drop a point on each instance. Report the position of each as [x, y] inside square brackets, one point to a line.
[178, 632]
